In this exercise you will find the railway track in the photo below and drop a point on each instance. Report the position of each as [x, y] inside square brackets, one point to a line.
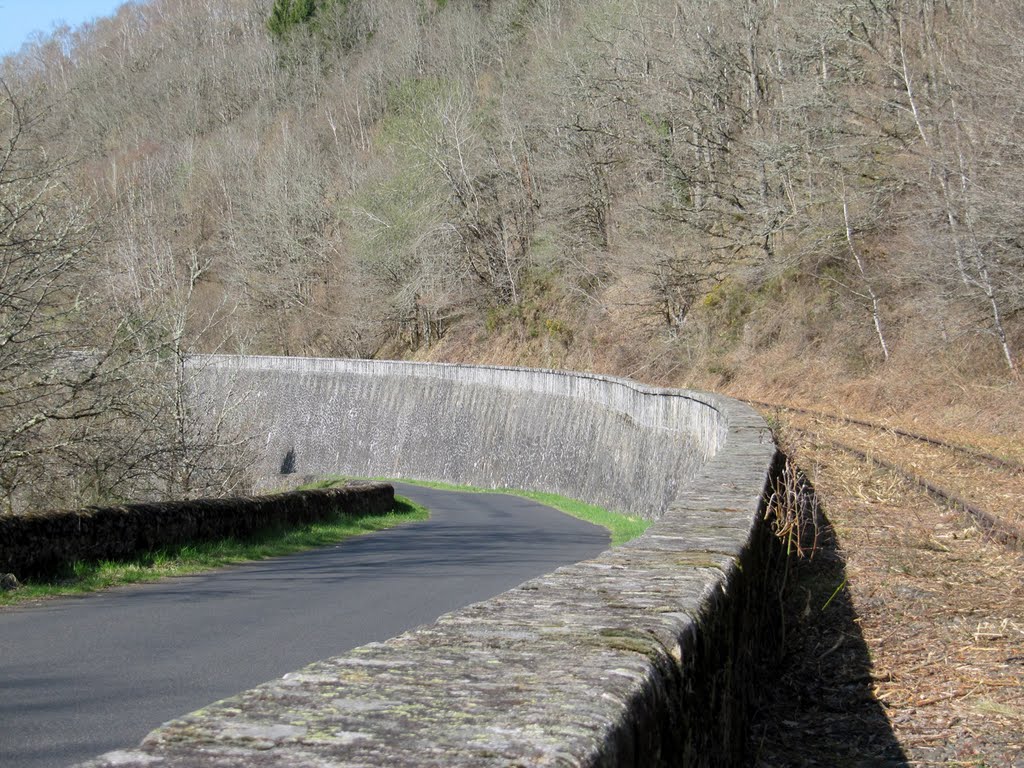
[989, 458]
[968, 473]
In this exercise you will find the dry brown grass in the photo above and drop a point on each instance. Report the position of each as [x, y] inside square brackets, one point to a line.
[997, 490]
[935, 628]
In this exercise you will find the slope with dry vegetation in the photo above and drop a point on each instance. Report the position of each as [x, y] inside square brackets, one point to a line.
[808, 203]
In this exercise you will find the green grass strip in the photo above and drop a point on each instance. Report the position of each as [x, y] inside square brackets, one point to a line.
[622, 528]
[205, 556]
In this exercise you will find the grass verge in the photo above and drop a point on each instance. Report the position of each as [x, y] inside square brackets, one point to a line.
[204, 556]
[622, 528]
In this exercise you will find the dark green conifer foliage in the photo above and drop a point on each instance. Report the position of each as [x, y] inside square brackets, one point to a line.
[330, 23]
[287, 13]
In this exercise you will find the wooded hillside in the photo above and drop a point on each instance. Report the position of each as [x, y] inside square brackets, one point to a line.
[752, 195]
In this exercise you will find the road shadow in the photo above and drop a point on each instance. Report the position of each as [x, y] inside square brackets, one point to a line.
[819, 709]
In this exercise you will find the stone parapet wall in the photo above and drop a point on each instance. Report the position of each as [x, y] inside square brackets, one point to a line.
[644, 656]
[42, 544]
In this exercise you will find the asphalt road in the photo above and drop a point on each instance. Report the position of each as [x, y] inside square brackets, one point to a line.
[85, 675]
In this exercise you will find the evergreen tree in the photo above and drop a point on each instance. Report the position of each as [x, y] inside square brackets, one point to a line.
[287, 13]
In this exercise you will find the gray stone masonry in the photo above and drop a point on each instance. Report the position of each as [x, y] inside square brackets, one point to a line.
[641, 657]
[605, 440]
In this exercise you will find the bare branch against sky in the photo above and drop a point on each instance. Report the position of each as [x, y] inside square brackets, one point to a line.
[20, 21]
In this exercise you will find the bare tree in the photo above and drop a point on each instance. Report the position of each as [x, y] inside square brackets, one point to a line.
[951, 105]
[54, 370]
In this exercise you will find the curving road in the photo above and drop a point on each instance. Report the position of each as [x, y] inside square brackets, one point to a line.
[81, 676]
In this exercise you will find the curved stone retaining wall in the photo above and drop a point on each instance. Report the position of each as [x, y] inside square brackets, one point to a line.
[606, 440]
[641, 657]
